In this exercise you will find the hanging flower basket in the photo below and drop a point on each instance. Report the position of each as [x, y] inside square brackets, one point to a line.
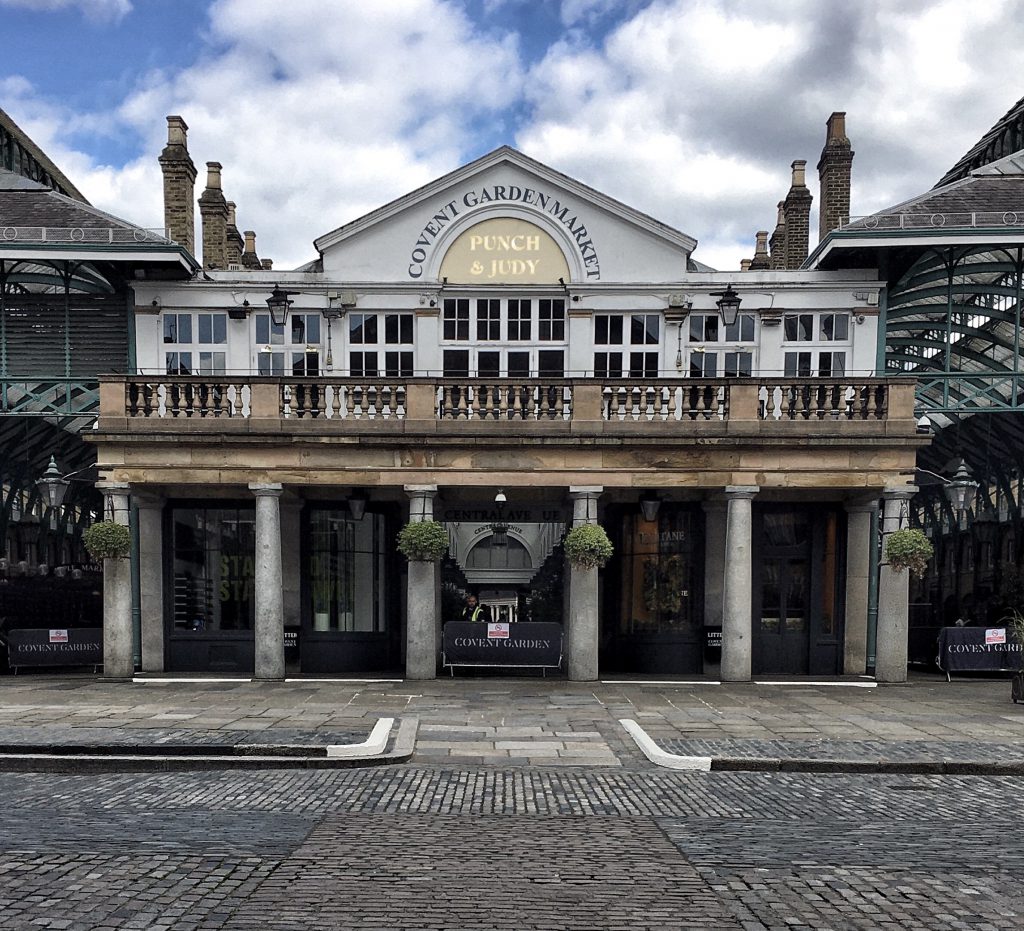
[908, 549]
[588, 547]
[107, 540]
[424, 541]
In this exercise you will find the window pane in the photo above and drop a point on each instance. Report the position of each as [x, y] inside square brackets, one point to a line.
[488, 364]
[262, 328]
[205, 328]
[456, 363]
[184, 328]
[551, 363]
[519, 365]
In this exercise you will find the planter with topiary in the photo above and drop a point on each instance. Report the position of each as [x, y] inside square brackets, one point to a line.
[909, 549]
[423, 541]
[107, 540]
[587, 547]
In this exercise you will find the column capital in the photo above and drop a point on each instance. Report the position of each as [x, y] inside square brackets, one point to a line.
[861, 505]
[113, 488]
[266, 489]
[741, 491]
[585, 491]
[905, 492]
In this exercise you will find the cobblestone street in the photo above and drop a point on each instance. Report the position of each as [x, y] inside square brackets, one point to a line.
[524, 805]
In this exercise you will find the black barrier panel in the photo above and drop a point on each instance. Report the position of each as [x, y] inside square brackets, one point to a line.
[529, 644]
[978, 649]
[55, 647]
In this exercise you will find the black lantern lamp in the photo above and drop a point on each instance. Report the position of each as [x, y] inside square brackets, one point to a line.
[499, 526]
[278, 304]
[728, 304]
[357, 505]
[650, 504]
[961, 489]
[53, 486]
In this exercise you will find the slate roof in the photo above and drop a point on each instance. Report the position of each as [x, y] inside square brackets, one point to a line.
[25, 203]
[58, 176]
[1005, 137]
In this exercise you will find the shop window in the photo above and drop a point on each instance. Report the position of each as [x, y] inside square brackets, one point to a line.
[456, 318]
[347, 572]
[488, 319]
[520, 316]
[661, 573]
[213, 569]
[551, 319]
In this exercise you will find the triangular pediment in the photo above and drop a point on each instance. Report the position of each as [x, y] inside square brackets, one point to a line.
[602, 239]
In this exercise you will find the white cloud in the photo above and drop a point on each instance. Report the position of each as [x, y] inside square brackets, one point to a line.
[690, 110]
[99, 10]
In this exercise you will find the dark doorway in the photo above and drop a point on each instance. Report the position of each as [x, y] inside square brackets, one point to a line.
[796, 604]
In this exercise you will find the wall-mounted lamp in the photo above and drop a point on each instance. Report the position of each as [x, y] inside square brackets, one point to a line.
[960, 489]
[499, 526]
[650, 504]
[728, 304]
[278, 304]
[357, 506]
[53, 486]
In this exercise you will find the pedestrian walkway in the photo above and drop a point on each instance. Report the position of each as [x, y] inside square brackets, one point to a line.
[529, 722]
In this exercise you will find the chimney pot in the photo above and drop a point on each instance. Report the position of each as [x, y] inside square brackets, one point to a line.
[799, 177]
[745, 265]
[213, 175]
[836, 131]
[177, 131]
[267, 263]
[250, 240]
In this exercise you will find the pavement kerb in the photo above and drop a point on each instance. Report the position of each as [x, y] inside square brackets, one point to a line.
[923, 767]
[124, 758]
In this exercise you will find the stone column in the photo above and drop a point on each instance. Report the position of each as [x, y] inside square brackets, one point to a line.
[858, 574]
[151, 580]
[423, 614]
[583, 636]
[269, 632]
[714, 570]
[118, 653]
[893, 596]
[738, 589]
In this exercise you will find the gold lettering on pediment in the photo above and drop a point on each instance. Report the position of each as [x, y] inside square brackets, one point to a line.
[504, 250]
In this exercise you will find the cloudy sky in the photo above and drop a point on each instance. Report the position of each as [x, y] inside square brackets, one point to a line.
[690, 110]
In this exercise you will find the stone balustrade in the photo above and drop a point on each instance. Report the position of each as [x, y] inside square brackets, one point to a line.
[142, 403]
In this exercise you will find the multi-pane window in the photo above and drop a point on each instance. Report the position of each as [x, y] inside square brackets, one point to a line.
[189, 338]
[551, 318]
[293, 347]
[456, 318]
[611, 330]
[708, 328]
[703, 364]
[738, 365]
[488, 319]
[520, 315]
[398, 358]
[367, 351]
[826, 329]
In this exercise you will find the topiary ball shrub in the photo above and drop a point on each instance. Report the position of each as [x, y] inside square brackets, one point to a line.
[107, 540]
[425, 540]
[908, 549]
[587, 546]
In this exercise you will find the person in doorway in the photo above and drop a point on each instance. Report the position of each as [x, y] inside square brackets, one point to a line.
[474, 611]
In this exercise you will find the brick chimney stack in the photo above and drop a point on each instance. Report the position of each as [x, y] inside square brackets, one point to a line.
[797, 207]
[834, 170]
[249, 257]
[777, 243]
[179, 185]
[760, 261]
[234, 238]
[213, 209]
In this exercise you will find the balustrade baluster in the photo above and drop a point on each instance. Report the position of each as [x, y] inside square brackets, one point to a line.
[132, 399]
[881, 402]
[174, 389]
